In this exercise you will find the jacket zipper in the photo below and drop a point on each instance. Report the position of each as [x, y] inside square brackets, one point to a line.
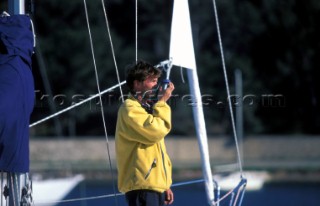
[163, 162]
[153, 165]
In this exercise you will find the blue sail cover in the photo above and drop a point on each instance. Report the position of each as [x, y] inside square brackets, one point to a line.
[16, 92]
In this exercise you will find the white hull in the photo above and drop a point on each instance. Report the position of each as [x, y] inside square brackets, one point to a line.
[48, 192]
[255, 180]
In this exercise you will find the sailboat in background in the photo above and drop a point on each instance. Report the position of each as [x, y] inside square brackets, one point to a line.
[51, 191]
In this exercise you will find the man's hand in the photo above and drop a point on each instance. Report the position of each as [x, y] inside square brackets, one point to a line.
[166, 94]
[169, 197]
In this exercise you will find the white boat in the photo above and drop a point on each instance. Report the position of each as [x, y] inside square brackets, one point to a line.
[256, 180]
[50, 191]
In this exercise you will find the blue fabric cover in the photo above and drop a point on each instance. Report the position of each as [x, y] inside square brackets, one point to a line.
[16, 92]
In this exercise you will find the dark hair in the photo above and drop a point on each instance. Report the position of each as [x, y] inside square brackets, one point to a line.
[140, 71]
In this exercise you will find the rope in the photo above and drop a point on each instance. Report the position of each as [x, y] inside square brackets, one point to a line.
[181, 73]
[227, 87]
[13, 180]
[76, 105]
[136, 27]
[79, 199]
[239, 188]
[96, 95]
[100, 98]
[112, 49]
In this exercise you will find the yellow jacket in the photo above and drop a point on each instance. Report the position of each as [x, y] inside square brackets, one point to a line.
[142, 159]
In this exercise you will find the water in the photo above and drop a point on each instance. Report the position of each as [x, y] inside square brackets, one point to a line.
[276, 194]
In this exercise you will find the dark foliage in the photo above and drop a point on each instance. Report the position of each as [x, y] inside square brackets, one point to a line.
[274, 43]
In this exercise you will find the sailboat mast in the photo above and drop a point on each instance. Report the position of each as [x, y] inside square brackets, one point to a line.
[200, 126]
[16, 7]
[182, 54]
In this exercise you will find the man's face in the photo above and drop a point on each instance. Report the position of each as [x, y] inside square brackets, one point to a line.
[146, 86]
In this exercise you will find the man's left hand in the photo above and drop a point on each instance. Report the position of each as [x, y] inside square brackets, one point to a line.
[169, 197]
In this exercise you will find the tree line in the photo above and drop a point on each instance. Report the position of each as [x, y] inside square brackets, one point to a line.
[273, 43]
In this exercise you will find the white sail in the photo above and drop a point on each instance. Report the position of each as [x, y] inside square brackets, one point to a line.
[181, 43]
[182, 54]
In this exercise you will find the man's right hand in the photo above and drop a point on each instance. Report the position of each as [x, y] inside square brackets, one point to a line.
[166, 94]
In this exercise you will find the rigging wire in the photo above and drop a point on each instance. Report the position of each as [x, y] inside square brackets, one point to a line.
[227, 87]
[136, 28]
[112, 49]
[181, 74]
[100, 99]
[76, 104]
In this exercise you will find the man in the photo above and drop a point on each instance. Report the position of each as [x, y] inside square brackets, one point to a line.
[144, 167]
